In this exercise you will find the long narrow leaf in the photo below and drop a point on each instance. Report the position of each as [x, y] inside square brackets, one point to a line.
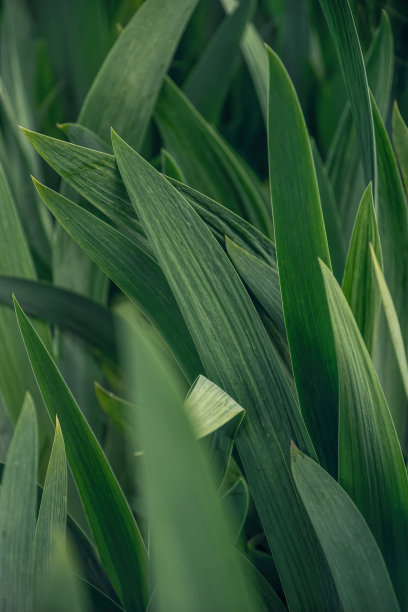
[355, 560]
[300, 239]
[371, 465]
[238, 356]
[114, 529]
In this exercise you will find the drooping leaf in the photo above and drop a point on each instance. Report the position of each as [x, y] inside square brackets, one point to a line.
[143, 54]
[52, 516]
[71, 311]
[190, 540]
[208, 163]
[343, 30]
[207, 84]
[117, 538]
[96, 177]
[133, 271]
[392, 321]
[358, 569]
[371, 465]
[300, 239]
[237, 355]
[18, 501]
[359, 284]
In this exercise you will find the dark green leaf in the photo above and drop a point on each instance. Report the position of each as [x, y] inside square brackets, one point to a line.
[300, 239]
[359, 571]
[238, 356]
[115, 532]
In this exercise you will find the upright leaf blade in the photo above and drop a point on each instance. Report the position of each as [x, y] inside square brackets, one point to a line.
[134, 69]
[18, 501]
[52, 517]
[238, 356]
[300, 239]
[371, 465]
[191, 545]
[358, 568]
[343, 30]
[114, 529]
[359, 284]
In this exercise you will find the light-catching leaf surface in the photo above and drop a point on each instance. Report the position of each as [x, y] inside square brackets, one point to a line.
[354, 558]
[18, 503]
[191, 547]
[400, 141]
[52, 517]
[359, 284]
[117, 538]
[237, 355]
[300, 239]
[371, 465]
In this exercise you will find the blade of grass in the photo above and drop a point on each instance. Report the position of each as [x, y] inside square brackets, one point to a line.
[300, 239]
[355, 560]
[392, 320]
[238, 356]
[359, 284]
[400, 141]
[52, 516]
[371, 465]
[18, 501]
[343, 30]
[133, 271]
[191, 543]
[208, 163]
[117, 538]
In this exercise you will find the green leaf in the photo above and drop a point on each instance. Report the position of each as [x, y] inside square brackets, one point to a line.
[15, 259]
[208, 163]
[114, 529]
[392, 320]
[238, 356]
[71, 311]
[84, 137]
[207, 84]
[400, 141]
[253, 50]
[343, 160]
[359, 571]
[263, 282]
[371, 465]
[270, 600]
[52, 516]
[96, 177]
[359, 285]
[330, 214]
[18, 502]
[343, 30]
[300, 239]
[191, 544]
[142, 53]
[170, 167]
[132, 270]
[393, 228]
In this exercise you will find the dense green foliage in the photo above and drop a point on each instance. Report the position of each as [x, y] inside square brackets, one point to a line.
[203, 306]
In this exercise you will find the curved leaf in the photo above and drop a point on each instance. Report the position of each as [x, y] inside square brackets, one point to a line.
[238, 356]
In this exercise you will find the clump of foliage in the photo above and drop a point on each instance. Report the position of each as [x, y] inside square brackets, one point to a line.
[203, 306]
